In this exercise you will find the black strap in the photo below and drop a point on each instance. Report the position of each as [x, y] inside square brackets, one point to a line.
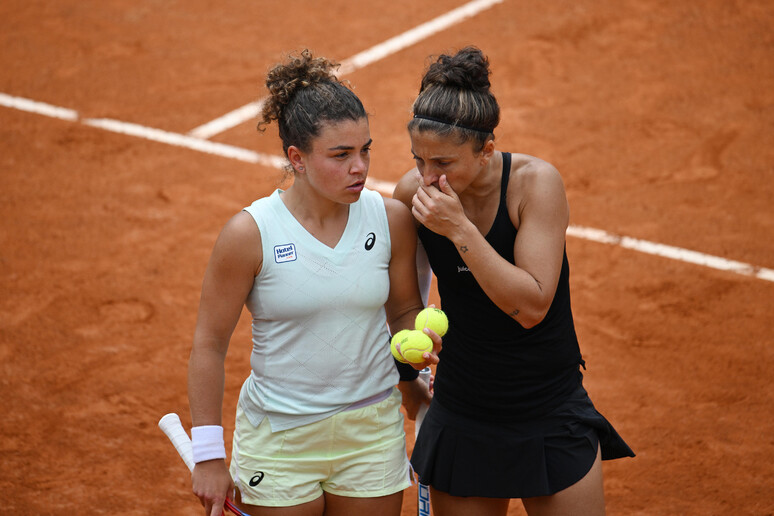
[506, 174]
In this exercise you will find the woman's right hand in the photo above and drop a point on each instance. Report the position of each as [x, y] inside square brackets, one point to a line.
[212, 483]
[415, 394]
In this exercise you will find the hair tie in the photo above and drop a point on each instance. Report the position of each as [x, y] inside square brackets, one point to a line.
[455, 124]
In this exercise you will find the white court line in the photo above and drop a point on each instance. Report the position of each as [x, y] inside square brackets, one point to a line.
[181, 140]
[41, 108]
[384, 187]
[147, 133]
[373, 54]
[668, 251]
[414, 35]
[228, 121]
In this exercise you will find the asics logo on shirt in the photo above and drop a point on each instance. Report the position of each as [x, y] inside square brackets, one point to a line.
[462, 269]
[370, 241]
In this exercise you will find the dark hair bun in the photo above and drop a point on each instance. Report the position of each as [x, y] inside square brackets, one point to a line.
[468, 69]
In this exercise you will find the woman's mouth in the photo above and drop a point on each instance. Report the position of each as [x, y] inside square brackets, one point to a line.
[356, 187]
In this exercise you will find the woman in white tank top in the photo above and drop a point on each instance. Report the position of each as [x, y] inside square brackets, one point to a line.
[324, 267]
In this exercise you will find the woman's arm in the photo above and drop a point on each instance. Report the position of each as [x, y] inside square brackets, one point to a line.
[404, 192]
[235, 260]
[228, 279]
[538, 208]
[404, 301]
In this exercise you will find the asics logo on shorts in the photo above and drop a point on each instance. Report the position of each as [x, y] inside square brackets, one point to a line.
[256, 479]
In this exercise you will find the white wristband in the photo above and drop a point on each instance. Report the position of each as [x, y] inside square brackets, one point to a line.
[207, 443]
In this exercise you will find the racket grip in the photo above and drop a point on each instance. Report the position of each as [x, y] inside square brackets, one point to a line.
[170, 424]
[423, 492]
[424, 375]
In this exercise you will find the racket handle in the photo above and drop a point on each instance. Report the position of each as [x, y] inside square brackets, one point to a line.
[423, 491]
[171, 426]
[424, 375]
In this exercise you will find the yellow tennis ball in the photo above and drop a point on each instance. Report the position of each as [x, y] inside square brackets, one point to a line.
[412, 344]
[432, 318]
[394, 345]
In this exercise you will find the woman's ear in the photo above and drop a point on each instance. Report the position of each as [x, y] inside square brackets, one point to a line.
[488, 151]
[296, 158]
[489, 148]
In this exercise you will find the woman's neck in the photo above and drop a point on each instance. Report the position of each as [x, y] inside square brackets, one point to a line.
[321, 217]
[487, 181]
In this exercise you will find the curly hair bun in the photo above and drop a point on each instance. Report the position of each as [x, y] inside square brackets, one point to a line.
[299, 72]
[286, 79]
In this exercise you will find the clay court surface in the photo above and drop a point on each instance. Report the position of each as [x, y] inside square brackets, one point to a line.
[658, 114]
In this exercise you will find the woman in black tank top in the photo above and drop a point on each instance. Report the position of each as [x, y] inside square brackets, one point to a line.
[509, 417]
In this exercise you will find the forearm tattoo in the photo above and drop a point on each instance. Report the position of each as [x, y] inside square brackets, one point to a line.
[514, 313]
[463, 249]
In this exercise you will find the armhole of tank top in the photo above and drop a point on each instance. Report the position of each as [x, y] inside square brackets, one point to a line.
[502, 210]
[505, 176]
[382, 208]
[257, 219]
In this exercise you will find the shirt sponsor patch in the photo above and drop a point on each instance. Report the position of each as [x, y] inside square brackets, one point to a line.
[285, 253]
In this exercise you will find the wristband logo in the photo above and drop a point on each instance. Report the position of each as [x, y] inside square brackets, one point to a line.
[370, 241]
[256, 479]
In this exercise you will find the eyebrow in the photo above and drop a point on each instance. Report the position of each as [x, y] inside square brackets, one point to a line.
[434, 158]
[349, 147]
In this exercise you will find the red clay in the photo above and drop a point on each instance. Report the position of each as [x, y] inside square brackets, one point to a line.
[658, 114]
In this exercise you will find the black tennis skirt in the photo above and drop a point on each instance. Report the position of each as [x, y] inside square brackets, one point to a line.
[466, 457]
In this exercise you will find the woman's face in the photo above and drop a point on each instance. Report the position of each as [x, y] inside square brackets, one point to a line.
[337, 164]
[437, 155]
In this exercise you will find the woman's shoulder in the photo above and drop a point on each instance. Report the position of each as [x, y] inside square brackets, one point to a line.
[529, 172]
[406, 187]
[526, 165]
[241, 226]
[395, 208]
[534, 184]
[262, 203]
[399, 218]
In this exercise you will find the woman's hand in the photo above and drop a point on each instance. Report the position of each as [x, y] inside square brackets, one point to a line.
[431, 357]
[415, 393]
[212, 483]
[438, 208]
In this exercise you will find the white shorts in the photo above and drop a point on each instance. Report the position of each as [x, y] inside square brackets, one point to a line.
[357, 453]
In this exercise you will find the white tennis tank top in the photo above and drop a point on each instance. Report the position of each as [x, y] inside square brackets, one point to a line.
[320, 337]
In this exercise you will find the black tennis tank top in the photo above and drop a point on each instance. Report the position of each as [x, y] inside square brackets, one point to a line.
[491, 367]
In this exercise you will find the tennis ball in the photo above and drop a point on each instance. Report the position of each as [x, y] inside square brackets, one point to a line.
[432, 318]
[411, 344]
[394, 345]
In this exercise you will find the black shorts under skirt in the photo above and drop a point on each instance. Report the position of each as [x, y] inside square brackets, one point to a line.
[466, 457]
